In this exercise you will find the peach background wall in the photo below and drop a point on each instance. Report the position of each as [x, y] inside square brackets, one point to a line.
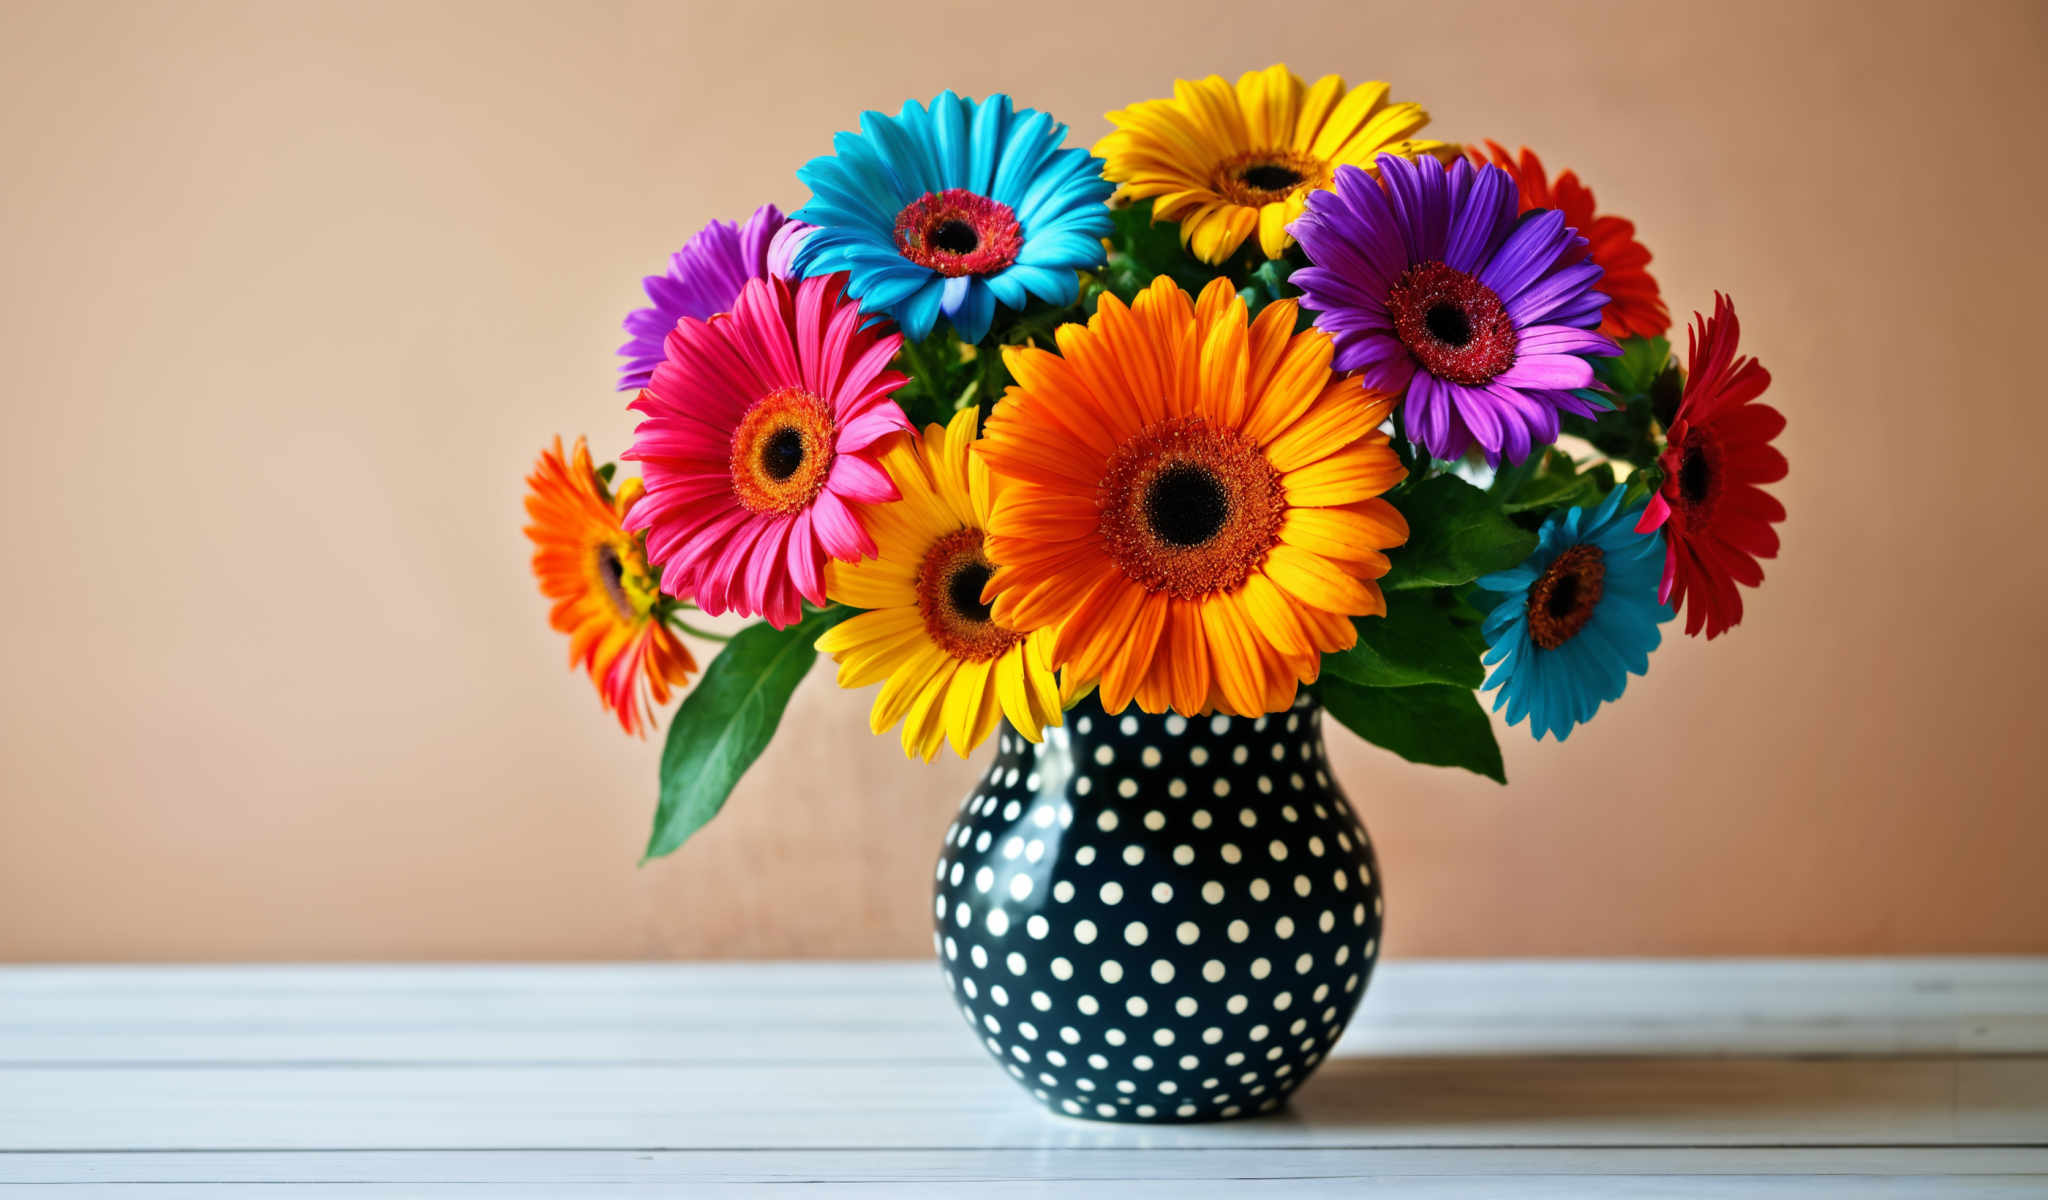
[291, 293]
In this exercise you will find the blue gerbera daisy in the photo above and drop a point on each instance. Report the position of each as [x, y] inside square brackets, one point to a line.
[1579, 616]
[954, 209]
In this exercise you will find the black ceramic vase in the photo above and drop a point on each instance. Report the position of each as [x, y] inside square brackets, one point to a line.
[1158, 918]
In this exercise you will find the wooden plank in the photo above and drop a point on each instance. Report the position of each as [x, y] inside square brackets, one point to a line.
[1351, 1102]
[676, 1014]
[852, 1165]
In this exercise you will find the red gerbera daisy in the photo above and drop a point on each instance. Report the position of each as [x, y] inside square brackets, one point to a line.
[1634, 307]
[1716, 520]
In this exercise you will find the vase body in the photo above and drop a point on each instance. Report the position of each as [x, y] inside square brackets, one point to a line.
[1156, 918]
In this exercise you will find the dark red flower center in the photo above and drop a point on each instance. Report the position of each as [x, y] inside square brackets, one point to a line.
[1454, 325]
[1563, 598]
[956, 232]
[1692, 463]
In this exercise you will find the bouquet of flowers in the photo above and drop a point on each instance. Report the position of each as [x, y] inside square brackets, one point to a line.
[1268, 392]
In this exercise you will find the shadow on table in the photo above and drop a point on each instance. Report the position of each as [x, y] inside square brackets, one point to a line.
[1614, 1099]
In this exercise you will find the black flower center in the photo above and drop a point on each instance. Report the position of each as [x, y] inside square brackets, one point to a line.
[963, 591]
[1695, 476]
[1447, 323]
[954, 237]
[782, 453]
[611, 572]
[1271, 177]
[1186, 505]
[1564, 597]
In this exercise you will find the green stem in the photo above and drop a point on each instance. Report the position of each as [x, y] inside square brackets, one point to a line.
[682, 626]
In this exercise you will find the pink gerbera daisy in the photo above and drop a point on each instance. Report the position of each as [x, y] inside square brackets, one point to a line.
[761, 424]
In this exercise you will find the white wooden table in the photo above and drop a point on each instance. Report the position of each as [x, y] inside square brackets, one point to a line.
[1551, 1079]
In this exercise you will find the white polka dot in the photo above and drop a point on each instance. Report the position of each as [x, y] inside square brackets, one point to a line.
[1185, 1110]
[1106, 820]
[999, 994]
[1062, 969]
[1304, 964]
[1162, 1037]
[1114, 1037]
[1260, 889]
[1088, 1004]
[1112, 971]
[962, 914]
[1183, 855]
[1212, 891]
[1327, 921]
[1213, 970]
[1084, 932]
[1302, 886]
[1237, 1004]
[1041, 1001]
[1150, 756]
[1238, 931]
[1104, 755]
[1261, 967]
[1084, 785]
[984, 879]
[1221, 787]
[981, 843]
[1219, 724]
[1199, 755]
[1034, 850]
[1265, 785]
[1084, 855]
[1155, 820]
[1142, 1062]
[1162, 971]
[1283, 1001]
[1162, 892]
[1020, 886]
[1013, 808]
[1042, 816]
[1085, 725]
[1135, 933]
[1063, 891]
[1177, 788]
[1147, 1111]
[1012, 847]
[998, 922]
[1176, 724]
[1112, 892]
[1134, 854]
[1260, 1033]
[1135, 1006]
[1129, 725]
[1127, 787]
[1016, 963]
[1315, 846]
[1287, 812]
[1278, 849]
[1186, 1006]
[1241, 755]
[1056, 1058]
[1247, 817]
[1284, 927]
[1188, 932]
[1231, 854]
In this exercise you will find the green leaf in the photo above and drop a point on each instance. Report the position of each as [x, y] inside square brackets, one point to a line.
[1434, 724]
[1641, 361]
[1456, 533]
[1559, 486]
[1143, 250]
[1415, 643]
[726, 721]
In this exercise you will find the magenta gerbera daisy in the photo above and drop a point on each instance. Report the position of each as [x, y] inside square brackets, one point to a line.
[1432, 285]
[760, 425]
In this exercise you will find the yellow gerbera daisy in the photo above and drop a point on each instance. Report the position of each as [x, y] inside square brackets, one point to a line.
[951, 672]
[1193, 502]
[1227, 161]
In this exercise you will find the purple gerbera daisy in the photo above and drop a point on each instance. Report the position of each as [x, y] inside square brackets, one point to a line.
[1429, 284]
[703, 280]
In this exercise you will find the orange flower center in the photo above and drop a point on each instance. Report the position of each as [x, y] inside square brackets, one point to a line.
[1268, 176]
[782, 451]
[1563, 598]
[949, 584]
[1188, 509]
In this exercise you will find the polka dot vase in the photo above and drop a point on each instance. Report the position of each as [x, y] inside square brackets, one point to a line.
[1153, 918]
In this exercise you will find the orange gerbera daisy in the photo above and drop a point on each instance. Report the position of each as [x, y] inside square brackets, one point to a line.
[1634, 307]
[605, 595]
[1193, 500]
